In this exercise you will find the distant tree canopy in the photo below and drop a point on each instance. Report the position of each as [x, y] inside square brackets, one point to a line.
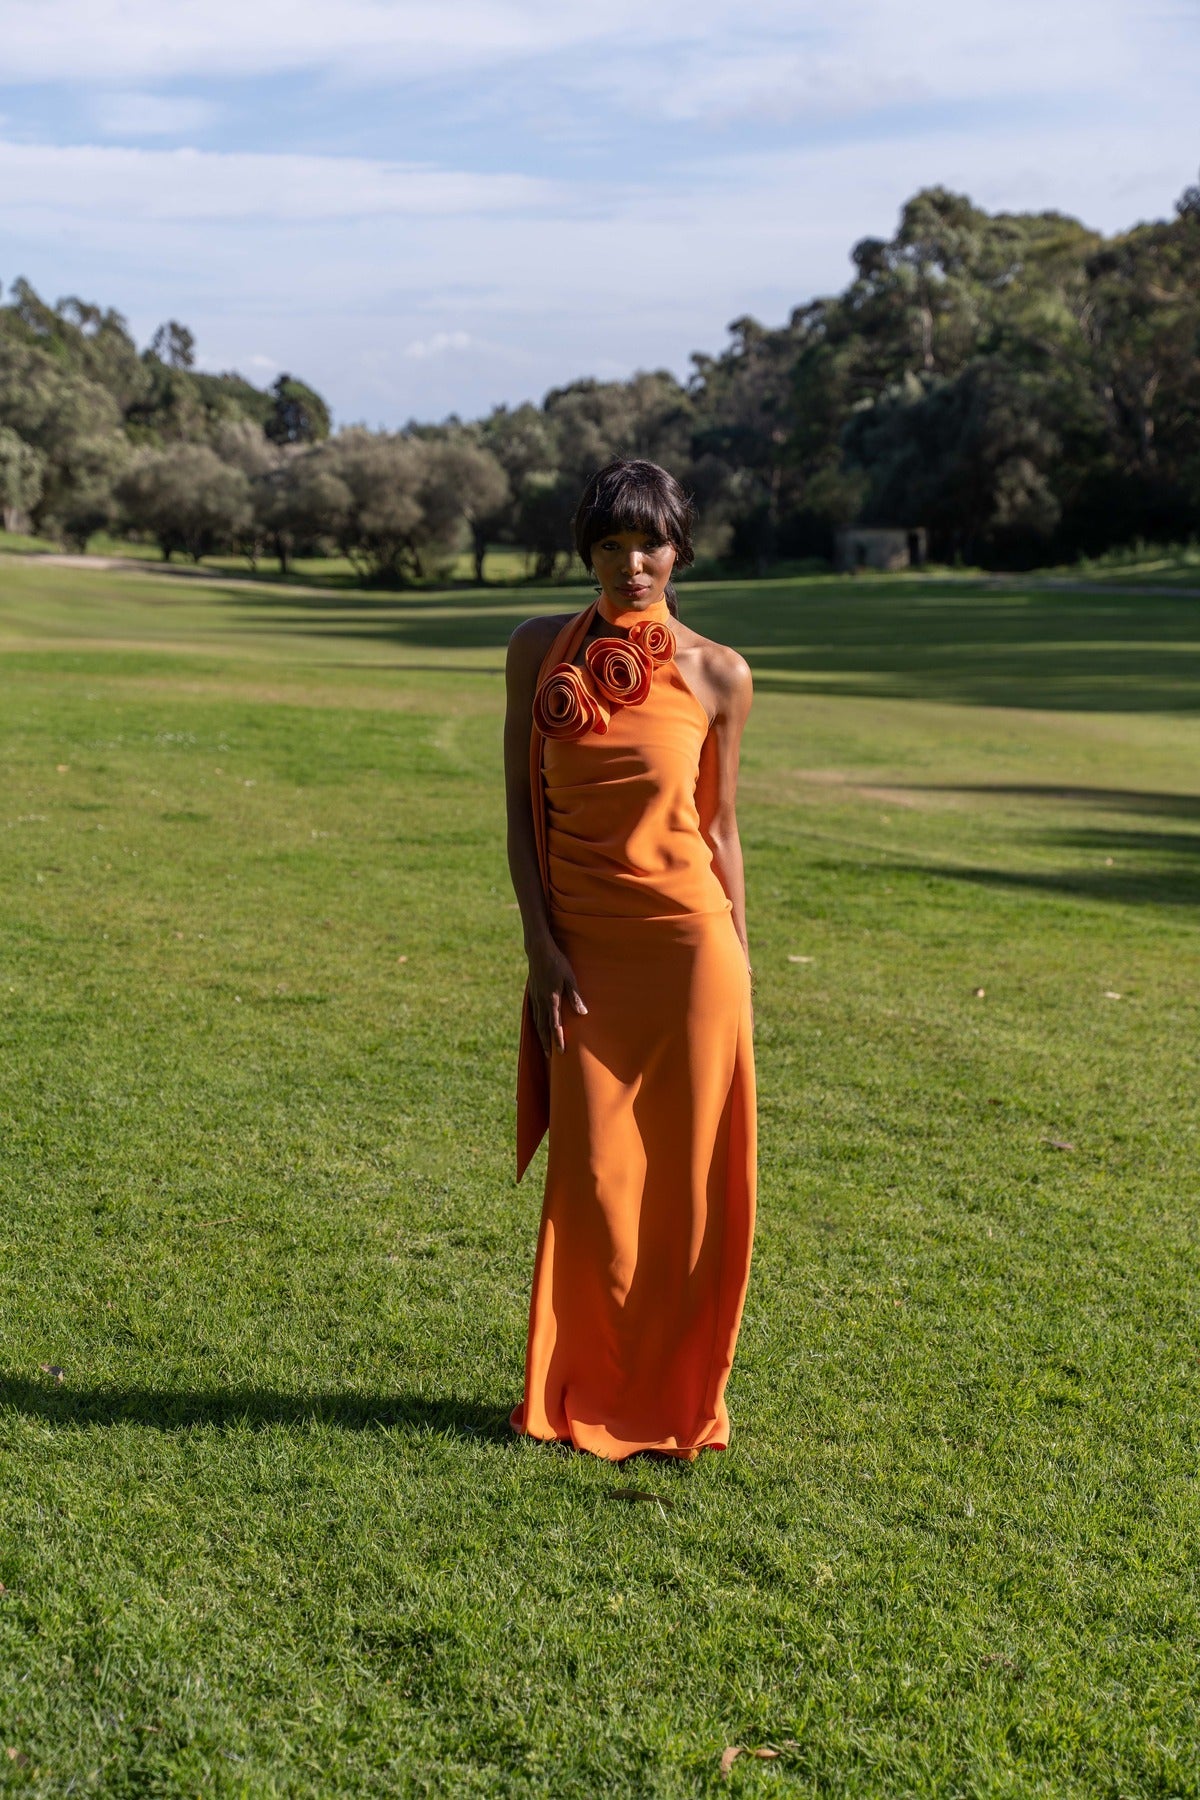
[1023, 387]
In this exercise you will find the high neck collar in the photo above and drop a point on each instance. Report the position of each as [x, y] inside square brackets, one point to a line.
[625, 616]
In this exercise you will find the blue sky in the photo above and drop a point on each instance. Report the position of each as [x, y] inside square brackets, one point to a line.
[433, 207]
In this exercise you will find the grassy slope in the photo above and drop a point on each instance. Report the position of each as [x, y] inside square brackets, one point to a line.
[260, 968]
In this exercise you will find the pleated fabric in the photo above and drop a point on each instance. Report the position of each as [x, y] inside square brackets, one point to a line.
[643, 1252]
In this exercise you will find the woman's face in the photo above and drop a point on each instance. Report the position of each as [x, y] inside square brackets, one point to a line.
[633, 567]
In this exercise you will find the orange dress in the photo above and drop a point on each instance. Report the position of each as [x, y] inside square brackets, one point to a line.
[643, 1253]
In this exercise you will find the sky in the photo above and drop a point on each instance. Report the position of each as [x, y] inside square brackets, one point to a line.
[428, 207]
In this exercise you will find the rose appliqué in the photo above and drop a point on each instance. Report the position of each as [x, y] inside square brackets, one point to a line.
[656, 639]
[567, 705]
[621, 670]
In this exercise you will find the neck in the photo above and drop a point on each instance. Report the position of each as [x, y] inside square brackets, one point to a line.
[613, 613]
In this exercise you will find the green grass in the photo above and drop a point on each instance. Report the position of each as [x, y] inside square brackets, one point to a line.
[1172, 564]
[259, 974]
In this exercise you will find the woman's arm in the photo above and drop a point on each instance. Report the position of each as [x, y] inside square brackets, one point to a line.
[551, 979]
[730, 683]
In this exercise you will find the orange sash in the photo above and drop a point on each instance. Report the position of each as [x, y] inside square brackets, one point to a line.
[533, 1065]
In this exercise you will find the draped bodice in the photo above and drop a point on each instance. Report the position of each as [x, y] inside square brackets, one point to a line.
[623, 811]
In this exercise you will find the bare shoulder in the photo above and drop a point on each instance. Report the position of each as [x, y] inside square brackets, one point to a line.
[533, 637]
[726, 671]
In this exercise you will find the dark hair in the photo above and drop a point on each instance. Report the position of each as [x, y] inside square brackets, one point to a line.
[632, 495]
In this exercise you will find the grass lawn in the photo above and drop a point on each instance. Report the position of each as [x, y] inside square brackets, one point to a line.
[263, 1529]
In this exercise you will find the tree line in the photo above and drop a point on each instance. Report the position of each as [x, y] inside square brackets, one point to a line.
[1023, 387]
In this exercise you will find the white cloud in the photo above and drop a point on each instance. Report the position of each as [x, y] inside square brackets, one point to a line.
[82, 181]
[437, 345]
[152, 115]
[408, 289]
[56, 40]
[415, 309]
[701, 59]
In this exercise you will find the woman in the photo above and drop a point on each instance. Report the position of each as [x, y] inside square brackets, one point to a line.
[621, 759]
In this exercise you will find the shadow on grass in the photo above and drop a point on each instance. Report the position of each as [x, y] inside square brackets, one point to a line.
[1142, 865]
[968, 644]
[1125, 800]
[1150, 887]
[167, 1409]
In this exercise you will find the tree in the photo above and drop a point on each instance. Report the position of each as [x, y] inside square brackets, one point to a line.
[174, 345]
[972, 458]
[302, 501]
[745, 418]
[382, 528]
[22, 469]
[242, 444]
[84, 499]
[463, 483]
[187, 499]
[298, 414]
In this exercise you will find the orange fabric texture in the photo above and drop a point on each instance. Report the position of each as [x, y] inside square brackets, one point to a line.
[643, 1253]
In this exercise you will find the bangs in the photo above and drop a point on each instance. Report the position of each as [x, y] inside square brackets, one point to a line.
[632, 505]
[632, 495]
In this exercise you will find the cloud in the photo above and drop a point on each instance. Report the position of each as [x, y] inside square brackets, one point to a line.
[396, 305]
[726, 157]
[152, 115]
[703, 59]
[437, 345]
[80, 181]
[56, 40]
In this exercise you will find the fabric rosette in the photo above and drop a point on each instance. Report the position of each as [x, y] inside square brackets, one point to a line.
[655, 638]
[621, 670]
[565, 705]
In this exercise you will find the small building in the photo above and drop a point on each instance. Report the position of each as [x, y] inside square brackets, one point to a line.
[876, 547]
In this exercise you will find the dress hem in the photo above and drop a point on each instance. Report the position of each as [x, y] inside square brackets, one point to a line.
[679, 1453]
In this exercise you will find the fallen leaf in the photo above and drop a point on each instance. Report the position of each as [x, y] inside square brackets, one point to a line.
[401, 959]
[801, 959]
[636, 1494]
[54, 1370]
[764, 1752]
[978, 993]
[17, 1756]
[62, 768]
[1058, 1143]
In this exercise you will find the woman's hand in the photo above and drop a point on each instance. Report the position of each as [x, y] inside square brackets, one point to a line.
[552, 990]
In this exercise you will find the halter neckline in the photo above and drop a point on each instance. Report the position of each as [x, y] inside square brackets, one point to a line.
[625, 616]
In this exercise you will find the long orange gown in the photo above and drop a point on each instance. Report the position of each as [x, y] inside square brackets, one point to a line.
[643, 1253]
